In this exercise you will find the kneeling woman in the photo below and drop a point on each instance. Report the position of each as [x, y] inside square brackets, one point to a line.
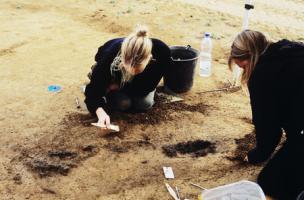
[274, 73]
[125, 75]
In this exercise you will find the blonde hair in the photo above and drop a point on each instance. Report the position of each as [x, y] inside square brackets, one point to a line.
[248, 45]
[135, 50]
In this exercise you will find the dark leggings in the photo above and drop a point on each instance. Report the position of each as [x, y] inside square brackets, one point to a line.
[283, 176]
[119, 101]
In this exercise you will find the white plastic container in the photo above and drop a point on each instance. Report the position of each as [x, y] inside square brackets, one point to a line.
[206, 56]
[242, 190]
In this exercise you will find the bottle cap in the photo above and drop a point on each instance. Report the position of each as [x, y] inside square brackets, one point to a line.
[207, 34]
[54, 88]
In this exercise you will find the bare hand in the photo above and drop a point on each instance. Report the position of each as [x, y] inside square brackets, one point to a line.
[103, 118]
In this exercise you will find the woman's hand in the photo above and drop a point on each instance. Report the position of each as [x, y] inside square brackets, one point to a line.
[103, 118]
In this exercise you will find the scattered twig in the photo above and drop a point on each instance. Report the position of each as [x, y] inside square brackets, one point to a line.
[177, 192]
[48, 190]
[77, 102]
[216, 90]
[226, 89]
[198, 186]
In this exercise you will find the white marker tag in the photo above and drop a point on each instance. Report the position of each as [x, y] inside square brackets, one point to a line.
[168, 172]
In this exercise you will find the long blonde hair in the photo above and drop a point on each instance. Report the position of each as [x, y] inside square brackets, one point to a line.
[135, 51]
[248, 45]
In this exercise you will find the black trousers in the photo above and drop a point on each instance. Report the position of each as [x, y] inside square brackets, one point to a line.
[283, 176]
[120, 101]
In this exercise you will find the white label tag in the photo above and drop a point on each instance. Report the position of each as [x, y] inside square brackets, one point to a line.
[168, 172]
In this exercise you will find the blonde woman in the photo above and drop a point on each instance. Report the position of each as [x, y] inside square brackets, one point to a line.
[125, 75]
[274, 73]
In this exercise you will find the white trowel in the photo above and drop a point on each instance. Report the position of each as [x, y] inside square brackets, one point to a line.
[113, 127]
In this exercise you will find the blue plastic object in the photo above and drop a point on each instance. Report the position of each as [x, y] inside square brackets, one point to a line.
[54, 88]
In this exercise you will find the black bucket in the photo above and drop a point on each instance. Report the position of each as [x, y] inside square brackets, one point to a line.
[180, 74]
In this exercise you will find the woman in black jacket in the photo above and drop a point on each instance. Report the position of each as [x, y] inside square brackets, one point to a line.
[274, 73]
[125, 75]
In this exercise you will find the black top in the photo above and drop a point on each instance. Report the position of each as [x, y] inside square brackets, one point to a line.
[276, 89]
[140, 85]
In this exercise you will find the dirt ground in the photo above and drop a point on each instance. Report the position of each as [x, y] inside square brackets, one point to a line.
[48, 148]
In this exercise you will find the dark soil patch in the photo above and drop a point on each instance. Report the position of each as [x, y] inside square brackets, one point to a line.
[52, 162]
[17, 179]
[197, 148]
[243, 146]
[47, 168]
[56, 153]
[89, 148]
[125, 146]
[62, 154]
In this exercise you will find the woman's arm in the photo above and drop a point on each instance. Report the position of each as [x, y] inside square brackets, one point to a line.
[96, 90]
[95, 94]
[265, 117]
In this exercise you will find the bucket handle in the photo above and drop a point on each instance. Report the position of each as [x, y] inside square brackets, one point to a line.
[179, 60]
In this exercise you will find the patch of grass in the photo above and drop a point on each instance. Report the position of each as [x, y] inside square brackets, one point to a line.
[129, 10]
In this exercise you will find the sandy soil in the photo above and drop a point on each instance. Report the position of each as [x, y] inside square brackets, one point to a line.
[48, 148]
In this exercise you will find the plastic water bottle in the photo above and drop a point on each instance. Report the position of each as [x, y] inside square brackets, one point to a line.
[205, 56]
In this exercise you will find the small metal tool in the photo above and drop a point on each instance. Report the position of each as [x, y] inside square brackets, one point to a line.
[77, 102]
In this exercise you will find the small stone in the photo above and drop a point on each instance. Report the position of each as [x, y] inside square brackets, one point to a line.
[18, 179]
[144, 162]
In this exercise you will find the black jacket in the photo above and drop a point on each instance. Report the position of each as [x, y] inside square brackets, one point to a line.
[140, 85]
[276, 89]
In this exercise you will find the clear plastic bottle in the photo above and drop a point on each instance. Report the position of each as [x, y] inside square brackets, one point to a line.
[206, 56]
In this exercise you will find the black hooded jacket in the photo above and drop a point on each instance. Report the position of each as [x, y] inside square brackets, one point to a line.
[276, 89]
